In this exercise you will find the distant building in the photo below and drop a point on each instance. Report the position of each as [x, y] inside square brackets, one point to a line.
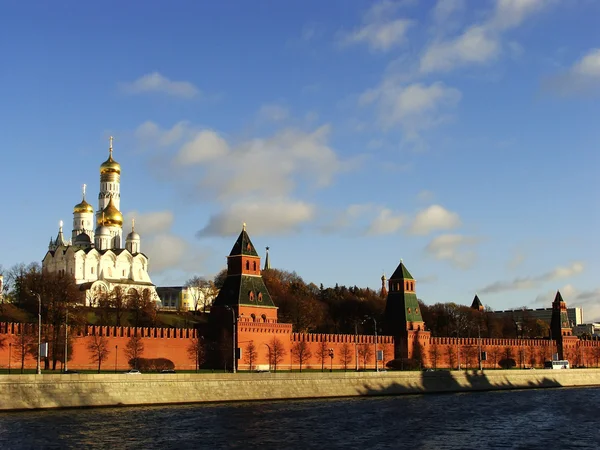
[575, 315]
[182, 298]
[589, 329]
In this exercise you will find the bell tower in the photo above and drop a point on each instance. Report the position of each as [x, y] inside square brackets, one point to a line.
[560, 326]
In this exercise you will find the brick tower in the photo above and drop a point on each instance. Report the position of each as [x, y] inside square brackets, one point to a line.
[403, 318]
[560, 326]
[244, 290]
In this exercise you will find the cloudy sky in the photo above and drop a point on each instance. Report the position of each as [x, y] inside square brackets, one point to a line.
[459, 135]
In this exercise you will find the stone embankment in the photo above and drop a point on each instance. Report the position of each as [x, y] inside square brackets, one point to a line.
[22, 392]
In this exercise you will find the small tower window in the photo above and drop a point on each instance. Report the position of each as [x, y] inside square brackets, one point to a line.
[251, 296]
[260, 297]
[247, 265]
[253, 317]
[264, 318]
[254, 266]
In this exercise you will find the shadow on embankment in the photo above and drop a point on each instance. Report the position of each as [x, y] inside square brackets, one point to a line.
[443, 381]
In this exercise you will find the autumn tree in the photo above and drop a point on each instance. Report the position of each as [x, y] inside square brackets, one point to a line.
[277, 353]
[322, 353]
[365, 352]
[134, 350]
[471, 354]
[196, 351]
[494, 354]
[98, 348]
[301, 353]
[346, 355]
[250, 355]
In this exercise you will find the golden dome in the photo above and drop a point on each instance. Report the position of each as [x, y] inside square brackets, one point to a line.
[111, 216]
[83, 207]
[110, 165]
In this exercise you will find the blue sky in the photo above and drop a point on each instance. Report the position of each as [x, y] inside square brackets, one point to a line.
[458, 135]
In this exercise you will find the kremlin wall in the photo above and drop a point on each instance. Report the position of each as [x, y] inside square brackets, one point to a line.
[266, 344]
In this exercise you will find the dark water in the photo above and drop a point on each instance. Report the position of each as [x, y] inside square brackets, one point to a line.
[528, 419]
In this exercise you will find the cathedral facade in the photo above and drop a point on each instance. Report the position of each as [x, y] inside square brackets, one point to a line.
[94, 254]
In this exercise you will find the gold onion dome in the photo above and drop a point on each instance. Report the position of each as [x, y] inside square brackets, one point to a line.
[83, 207]
[110, 165]
[111, 216]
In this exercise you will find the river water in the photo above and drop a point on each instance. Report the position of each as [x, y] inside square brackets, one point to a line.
[528, 419]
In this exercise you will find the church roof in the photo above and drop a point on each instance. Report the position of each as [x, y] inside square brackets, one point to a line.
[401, 273]
[243, 245]
[558, 297]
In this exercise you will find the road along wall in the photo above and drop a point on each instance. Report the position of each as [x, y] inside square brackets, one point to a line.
[21, 392]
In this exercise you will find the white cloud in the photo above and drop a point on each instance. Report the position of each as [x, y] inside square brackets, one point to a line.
[150, 132]
[380, 30]
[434, 218]
[482, 42]
[475, 45]
[582, 78]
[205, 146]
[273, 113]
[165, 251]
[455, 248]
[517, 260]
[414, 107]
[151, 222]
[270, 167]
[155, 82]
[445, 9]
[386, 222]
[271, 217]
[530, 282]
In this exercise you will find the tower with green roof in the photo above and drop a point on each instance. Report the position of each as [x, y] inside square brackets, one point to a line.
[403, 318]
[244, 290]
[560, 326]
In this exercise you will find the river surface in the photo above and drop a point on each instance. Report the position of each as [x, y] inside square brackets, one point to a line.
[528, 419]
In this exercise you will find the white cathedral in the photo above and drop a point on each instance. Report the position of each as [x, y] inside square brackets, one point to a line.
[96, 257]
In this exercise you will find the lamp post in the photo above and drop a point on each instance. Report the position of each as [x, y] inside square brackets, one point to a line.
[330, 360]
[39, 349]
[66, 338]
[375, 329]
[116, 356]
[233, 335]
[9, 355]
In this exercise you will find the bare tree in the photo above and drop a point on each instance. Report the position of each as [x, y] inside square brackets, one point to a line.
[322, 354]
[596, 354]
[471, 355]
[365, 352]
[301, 353]
[98, 347]
[494, 353]
[434, 354]
[201, 291]
[250, 355]
[451, 356]
[134, 350]
[24, 344]
[346, 352]
[277, 353]
[117, 301]
[196, 351]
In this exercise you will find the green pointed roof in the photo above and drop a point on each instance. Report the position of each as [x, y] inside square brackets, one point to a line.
[243, 245]
[401, 273]
[558, 297]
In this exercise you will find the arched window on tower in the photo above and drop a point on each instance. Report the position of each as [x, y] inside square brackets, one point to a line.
[254, 266]
[264, 317]
[247, 265]
[253, 317]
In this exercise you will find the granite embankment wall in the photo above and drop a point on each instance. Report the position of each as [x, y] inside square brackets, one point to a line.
[90, 390]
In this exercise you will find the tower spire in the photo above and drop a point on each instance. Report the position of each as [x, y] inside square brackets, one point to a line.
[132, 225]
[83, 190]
[267, 260]
[110, 148]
